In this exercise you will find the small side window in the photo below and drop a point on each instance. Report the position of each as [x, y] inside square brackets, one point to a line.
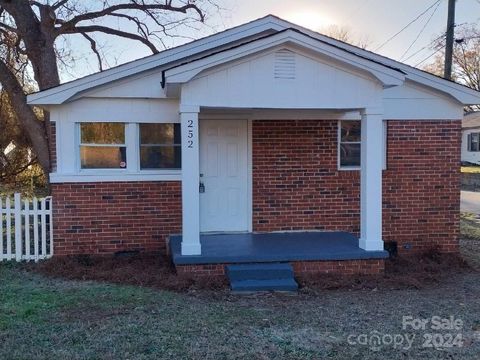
[473, 142]
[350, 143]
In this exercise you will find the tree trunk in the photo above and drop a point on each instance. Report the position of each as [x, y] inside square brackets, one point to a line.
[27, 118]
[39, 38]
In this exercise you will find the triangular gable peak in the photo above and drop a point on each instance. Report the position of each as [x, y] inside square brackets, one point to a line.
[233, 37]
[284, 70]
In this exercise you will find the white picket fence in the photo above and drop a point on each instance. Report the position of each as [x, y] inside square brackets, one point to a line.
[26, 228]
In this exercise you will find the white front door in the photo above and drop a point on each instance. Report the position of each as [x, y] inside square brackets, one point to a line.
[224, 174]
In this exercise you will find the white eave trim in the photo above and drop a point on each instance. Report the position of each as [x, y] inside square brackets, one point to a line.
[461, 93]
[63, 93]
[184, 73]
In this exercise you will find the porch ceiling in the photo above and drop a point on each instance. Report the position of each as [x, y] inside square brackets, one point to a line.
[273, 247]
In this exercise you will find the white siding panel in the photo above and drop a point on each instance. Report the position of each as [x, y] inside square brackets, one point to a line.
[414, 102]
[141, 86]
[121, 110]
[319, 83]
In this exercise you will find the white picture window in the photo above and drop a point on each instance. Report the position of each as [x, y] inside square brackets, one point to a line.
[102, 145]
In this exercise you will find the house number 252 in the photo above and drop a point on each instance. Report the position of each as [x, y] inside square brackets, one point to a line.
[190, 134]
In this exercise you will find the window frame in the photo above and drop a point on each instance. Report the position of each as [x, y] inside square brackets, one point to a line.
[139, 147]
[339, 142]
[469, 141]
[132, 144]
[79, 144]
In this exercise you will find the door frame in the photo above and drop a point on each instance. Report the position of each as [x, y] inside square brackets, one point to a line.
[249, 165]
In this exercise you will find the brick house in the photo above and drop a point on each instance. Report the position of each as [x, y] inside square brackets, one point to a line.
[267, 142]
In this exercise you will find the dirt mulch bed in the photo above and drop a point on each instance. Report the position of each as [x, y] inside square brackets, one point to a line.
[413, 272]
[149, 270]
[156, 271]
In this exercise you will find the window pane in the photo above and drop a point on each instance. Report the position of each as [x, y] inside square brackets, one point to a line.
[351, 130]
[474, 145]
[160, 157]
[102, 133]
[103, 157]
[168, 134]
[350, 155]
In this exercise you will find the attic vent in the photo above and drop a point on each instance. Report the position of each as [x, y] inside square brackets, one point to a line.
[284, 65]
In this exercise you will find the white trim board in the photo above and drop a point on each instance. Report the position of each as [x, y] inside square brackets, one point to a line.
[255, 29]
[186, 72]
[126, 177]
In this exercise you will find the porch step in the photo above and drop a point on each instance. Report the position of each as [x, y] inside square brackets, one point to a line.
[264, 285]
[262, 271]
[261, 277]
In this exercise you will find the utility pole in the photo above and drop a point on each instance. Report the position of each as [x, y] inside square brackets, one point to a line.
[447, 74]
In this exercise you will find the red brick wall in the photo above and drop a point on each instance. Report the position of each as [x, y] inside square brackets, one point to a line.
[343, 267]
[100, 218]
[296, 184]
[421, 186]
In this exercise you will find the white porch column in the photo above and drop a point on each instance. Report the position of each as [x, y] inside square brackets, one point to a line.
[190, 180]
[371, 179]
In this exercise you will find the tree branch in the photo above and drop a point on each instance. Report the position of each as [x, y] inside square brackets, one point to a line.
[59, 4]
[8, 27]
[93, 46]
[130, 6]
[18, 171]
[140, 25]
[110, 31]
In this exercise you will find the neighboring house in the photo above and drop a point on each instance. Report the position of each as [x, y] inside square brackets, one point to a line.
[265, 142]
[471, 138]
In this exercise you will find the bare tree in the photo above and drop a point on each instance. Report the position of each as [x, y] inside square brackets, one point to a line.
[30, 29]
[466, 57]
[344, 34]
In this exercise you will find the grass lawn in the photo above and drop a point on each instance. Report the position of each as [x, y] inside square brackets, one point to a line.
[49, 318]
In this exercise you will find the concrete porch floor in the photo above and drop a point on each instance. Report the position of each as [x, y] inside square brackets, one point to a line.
[273, 247]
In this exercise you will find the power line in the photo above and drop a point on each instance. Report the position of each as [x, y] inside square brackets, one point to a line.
[426, 46]
[421, 31]
[406, 26]
[429, 56]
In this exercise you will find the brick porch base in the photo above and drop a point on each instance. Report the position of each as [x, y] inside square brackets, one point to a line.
[344, 267]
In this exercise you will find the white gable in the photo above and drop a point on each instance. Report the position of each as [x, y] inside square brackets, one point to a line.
[283, 78]
[232, 38]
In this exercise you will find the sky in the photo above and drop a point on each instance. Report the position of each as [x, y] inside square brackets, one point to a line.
[368, 21]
